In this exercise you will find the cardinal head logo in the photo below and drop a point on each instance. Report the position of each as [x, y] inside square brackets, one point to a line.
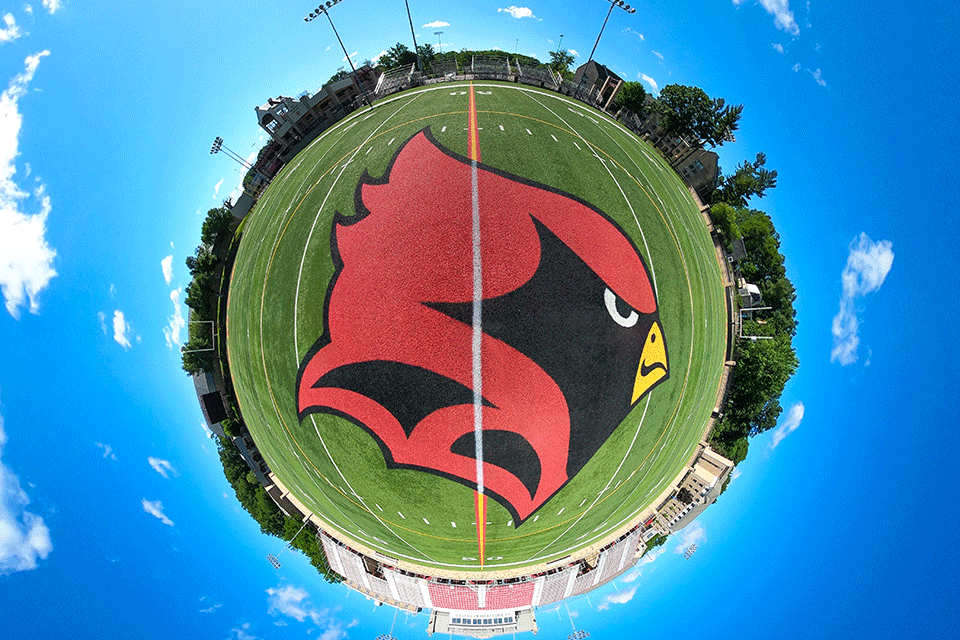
[480, 323]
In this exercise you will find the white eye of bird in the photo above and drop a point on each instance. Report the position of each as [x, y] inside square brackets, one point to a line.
[610, 299]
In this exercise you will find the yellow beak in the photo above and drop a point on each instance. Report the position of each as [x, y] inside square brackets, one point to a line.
[653, 363]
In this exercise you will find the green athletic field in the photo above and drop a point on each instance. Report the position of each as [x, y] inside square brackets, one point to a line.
[279, 285]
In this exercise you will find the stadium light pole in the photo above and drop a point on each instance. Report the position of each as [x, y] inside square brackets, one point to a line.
[416, 49]
[439, 42]
[273, 559]
[389, 636]
[218, 146]
[613, 3]
[316, 14]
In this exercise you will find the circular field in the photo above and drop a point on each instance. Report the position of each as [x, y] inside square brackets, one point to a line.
[478, 327]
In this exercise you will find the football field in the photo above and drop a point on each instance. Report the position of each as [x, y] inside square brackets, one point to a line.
[291, 256]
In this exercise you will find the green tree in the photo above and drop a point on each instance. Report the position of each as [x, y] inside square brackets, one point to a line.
[216, 225]
[427, 55]
[632, 96]
[750, 179]
[397, 56]
[689, 112]
[560, 62]
[339, 75]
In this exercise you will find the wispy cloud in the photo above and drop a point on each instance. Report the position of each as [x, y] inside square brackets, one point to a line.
[10, 32]
[155, 509]
[573, 52]
[24, 537]
[436, 24]
[161, 466]
[621, 597]
[777, 47]
[818, 77]
[216, 188]
[166, 265]
[294, 602]
[121, 329]
[789, 425]
[657, 53]
[636, 33]
[175, 323]
[378, 56]
[868, 264]
[51, 5]
[352, 55]
[518, 12]
[242, 633]
[796, 67]
[782, 15]
[693, 533]
[210, 609]
[107, 450]
[650, 81]
[736, 473]
[27, 265]
[647, 558]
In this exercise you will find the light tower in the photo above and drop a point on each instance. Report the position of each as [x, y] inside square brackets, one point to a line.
[613, 3]
[316, 14]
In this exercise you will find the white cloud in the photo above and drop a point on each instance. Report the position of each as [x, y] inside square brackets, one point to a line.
[621, 597]
[777, 47]
[29, 9]
[789, 425]
[636, 33]
[650, 81]
[818, 77]
[294, 602]
[436, 24]
[120, 329]
[216, 188]
[518, 12]
[782, 16]
[796, 67]
[242, 633]
[161, 466]
[11, 32]
[107, 450]
[167, 266]
[210, 609]
[736, 473]
[657, 53]
[175, 323]
[693, 533]
[27, 267]
[573, 52]
[51, 5]
[24, 537]
[155, 508]
[102, 319]
[352, 55]
[868, 264]
[647, 558]
[378, 56]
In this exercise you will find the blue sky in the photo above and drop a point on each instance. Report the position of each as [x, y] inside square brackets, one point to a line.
[115, 520]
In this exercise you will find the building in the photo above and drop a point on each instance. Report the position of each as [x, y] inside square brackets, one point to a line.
[697, 488]
[294, 122]
[600, 83]
[700, 171]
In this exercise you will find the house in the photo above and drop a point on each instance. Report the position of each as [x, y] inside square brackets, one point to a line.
[595, 80]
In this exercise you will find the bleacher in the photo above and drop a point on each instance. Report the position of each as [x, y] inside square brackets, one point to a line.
[509, 596]
[554, 586]
[447, 596]
[408, 588]
[397, 80]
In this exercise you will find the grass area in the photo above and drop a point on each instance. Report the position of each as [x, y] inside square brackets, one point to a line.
[280, 281]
